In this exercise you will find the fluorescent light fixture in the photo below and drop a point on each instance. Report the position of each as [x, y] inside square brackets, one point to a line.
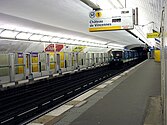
[36, 37]
[70, 41]
[46, 38]
[76, 42]
[23, 35]
[9, 34]
[55, 39]
[62, 40]
[103, 46]
[83, 43]
[1, 30]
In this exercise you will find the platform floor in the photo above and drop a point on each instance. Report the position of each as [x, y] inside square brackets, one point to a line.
[125, 104]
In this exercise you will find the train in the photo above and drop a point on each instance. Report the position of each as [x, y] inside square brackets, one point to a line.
[123, 58]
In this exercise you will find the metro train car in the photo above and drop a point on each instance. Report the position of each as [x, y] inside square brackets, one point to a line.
[120, 59]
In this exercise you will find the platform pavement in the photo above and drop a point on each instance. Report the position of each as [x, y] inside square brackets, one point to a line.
[124, 105]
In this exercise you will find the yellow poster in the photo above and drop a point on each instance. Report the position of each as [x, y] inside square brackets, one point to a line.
[78, 49]
[20, 61]
[34, 62]
[61, 59]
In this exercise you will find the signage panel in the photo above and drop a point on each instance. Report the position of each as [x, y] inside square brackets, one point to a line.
[116, 19]
[152, 35]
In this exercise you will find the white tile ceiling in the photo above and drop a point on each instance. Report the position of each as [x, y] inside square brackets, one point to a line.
[72, 15]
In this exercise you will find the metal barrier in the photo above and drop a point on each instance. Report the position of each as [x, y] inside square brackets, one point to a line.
[21, 66]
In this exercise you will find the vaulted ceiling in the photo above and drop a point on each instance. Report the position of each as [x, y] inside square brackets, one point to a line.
[71, 17]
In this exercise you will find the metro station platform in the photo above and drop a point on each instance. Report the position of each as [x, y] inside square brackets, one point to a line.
[122, 100]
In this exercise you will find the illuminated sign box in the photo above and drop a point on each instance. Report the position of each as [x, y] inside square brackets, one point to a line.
[117, 19]
[152, 35]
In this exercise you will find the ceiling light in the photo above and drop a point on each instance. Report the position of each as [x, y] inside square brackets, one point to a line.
[63, 40]
[1, 30]
[23, 35]
[36, 37]
[46, 38]
[9, 34]
[55, 39]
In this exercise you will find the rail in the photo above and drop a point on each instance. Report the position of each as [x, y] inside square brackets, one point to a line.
[18, 105]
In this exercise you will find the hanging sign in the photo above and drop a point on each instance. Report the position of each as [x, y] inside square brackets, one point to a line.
[152, 35]
[78, 49]
[115, 19]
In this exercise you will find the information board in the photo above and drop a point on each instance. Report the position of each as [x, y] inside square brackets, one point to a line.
[113, 19]
[152, 35]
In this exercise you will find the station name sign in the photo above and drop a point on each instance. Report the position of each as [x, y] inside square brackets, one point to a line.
[113, 19]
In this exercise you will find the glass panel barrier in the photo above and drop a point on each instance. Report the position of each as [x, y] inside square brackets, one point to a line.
[4, 71]
[43, 61]
[4, 65]
[52, 61]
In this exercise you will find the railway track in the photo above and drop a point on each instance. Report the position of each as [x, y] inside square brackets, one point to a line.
[18, 105]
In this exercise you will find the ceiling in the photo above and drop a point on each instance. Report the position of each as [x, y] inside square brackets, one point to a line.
[71, 17]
